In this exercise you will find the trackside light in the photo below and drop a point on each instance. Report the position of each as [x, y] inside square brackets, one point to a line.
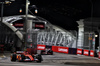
[36, 11]
[20, 10]
[96, 35]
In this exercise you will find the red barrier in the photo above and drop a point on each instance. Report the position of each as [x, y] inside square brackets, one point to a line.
[60, 49]
[79, 51]
[1, 45]
[92, 53]
[99, 55]
[86, 52]
[1, 48]
[40, 47]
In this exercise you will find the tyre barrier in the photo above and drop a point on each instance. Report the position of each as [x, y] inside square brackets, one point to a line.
[68, 50]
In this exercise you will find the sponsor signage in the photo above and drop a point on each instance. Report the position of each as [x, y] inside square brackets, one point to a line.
[38, 25]
[60, 49]
[18, 25]
[40, 47]
[79, 51]
[86, 52]
[92, 53]
[99, 55]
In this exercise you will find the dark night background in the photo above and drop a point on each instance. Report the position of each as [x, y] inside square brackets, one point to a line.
[63, 13]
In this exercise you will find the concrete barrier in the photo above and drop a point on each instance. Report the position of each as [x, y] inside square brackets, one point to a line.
[68, 50]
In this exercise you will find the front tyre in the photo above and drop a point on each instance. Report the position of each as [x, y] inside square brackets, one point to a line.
[21, 58]
[39, 57]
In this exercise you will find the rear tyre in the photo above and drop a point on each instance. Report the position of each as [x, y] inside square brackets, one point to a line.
[42, 52]
[13, 57]
[50, 52]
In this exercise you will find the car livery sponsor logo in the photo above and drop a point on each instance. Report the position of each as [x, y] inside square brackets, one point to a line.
[62, 50]
[41, 47]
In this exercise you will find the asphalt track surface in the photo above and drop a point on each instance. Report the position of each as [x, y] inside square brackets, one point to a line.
[58, 59]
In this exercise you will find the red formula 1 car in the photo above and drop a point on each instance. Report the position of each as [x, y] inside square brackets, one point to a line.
[47, 51]
[25, 56]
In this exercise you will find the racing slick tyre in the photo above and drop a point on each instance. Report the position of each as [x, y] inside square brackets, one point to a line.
[39, 57]
[13, 57]
[42, 52]
[21, 58]
[50, 52]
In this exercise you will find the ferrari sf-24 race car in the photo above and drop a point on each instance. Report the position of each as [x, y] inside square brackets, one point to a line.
[25, 56]
[47, 51]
